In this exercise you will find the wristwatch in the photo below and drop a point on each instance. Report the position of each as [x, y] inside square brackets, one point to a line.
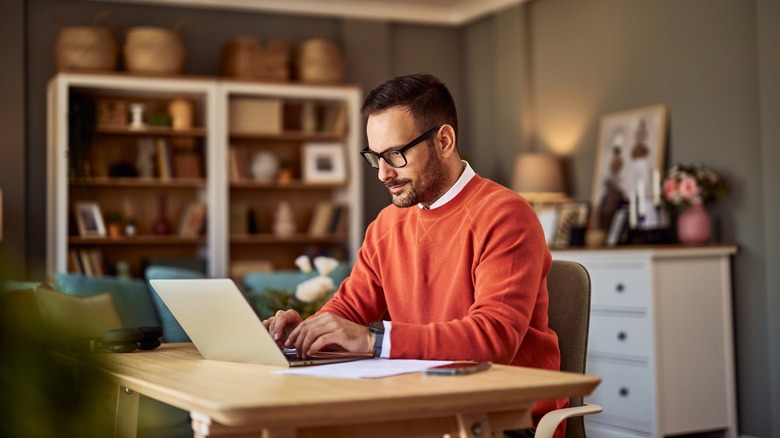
[378, 329]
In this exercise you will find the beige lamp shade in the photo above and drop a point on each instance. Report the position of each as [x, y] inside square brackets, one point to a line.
[538, 177]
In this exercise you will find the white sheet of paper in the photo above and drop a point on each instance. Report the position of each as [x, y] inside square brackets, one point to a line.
[365, 369]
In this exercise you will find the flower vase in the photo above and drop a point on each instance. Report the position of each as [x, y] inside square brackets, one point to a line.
[161, 225]
[694, 225]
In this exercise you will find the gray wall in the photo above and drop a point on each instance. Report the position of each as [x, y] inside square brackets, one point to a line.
[13, 247]
[566, 62]
[768, 13]
[702, 59]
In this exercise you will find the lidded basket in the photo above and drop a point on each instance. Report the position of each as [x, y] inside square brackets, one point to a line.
[154, 50]
[320, 61]
[86, 48]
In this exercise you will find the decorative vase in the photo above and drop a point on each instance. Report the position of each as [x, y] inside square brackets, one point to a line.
[161, 225]
[181, 112]
[265, 165]
[694, 225]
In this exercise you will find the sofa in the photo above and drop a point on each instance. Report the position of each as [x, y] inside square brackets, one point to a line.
[77, 306]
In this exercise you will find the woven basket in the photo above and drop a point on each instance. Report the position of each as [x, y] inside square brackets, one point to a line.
[320, 61]
[85, 48]
[154, 50]
[246, 58]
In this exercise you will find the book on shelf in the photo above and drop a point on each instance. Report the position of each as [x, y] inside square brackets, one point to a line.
[164, 168]
[74, 262]
[239, 219]
[88, 262]
[334, 120]
[186, 159]
[338, 222]
[237, 164]
[321, 219]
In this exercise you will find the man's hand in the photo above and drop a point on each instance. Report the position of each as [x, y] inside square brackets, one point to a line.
[325, 329]
[280, 325]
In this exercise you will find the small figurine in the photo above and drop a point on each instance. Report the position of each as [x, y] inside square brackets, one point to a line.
[284, 222]
[145, 160]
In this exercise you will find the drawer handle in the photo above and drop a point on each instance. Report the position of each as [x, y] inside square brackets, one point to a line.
[623, 392]
[622, 336]
[620, 287]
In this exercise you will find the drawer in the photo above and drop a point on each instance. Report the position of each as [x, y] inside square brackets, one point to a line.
[621, 286]
[595, 429]
[621, 335]
[625, 393]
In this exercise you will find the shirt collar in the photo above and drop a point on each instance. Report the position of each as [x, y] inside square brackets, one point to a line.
[465, 177]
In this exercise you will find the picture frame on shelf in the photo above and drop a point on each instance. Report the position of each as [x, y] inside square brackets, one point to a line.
[631, 148]
[572, 220]
[192, 220]
[89, 219]
[548, 217]
[324, 163]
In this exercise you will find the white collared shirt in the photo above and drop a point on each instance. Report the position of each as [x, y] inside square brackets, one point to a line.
[456, 188]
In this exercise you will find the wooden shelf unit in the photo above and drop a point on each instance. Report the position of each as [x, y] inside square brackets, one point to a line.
[286, 141]
[113, 153]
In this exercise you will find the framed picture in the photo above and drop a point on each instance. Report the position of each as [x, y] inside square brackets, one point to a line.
[89, 219]
[572, 219]
[548, 217]
[192, 220]
[324, 162]
[632, 146]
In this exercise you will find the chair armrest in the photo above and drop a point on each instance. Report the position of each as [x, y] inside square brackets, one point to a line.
[551, 420]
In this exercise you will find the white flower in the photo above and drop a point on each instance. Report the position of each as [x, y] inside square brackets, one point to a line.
[314, 288]
[304, 264]
[325, 265]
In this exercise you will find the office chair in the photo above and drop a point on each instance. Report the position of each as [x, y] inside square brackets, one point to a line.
[568, 286]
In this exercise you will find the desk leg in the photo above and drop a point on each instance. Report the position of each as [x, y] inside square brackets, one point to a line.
[126, 413]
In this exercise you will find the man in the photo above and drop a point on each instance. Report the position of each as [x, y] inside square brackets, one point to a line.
[455, 269]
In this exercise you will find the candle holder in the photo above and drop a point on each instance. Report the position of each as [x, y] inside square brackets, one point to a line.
[137, 116]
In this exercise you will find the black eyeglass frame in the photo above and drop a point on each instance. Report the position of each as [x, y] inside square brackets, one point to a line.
[424, 136]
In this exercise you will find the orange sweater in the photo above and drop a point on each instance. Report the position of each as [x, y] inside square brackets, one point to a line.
[465, 281]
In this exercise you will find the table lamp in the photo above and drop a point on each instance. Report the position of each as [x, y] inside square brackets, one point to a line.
[538, 177]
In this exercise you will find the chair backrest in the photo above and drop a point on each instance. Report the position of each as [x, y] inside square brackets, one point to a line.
[568, 286]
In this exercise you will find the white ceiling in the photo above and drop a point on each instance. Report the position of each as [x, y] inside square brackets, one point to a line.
[442, 12]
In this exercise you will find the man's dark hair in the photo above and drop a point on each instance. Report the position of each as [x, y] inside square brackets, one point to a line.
[425, 96]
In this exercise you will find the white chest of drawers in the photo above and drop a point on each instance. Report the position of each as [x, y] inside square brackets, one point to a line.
[661, 338]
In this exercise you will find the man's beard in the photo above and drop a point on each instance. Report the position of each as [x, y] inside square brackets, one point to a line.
[426, 189]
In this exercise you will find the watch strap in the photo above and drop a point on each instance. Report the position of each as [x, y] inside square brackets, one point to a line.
[378, 329]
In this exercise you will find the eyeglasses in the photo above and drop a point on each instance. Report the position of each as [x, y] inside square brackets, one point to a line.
[395, 157]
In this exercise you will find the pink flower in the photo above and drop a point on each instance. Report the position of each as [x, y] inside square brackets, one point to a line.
[671, 191]
[689, 189]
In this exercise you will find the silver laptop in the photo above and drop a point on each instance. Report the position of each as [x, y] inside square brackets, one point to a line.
[223, 326]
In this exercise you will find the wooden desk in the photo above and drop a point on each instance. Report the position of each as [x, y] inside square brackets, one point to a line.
[235, 399]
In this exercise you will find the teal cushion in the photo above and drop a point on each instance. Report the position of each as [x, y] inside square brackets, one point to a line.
[131, 296]
[172, 331]
[288, 279]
